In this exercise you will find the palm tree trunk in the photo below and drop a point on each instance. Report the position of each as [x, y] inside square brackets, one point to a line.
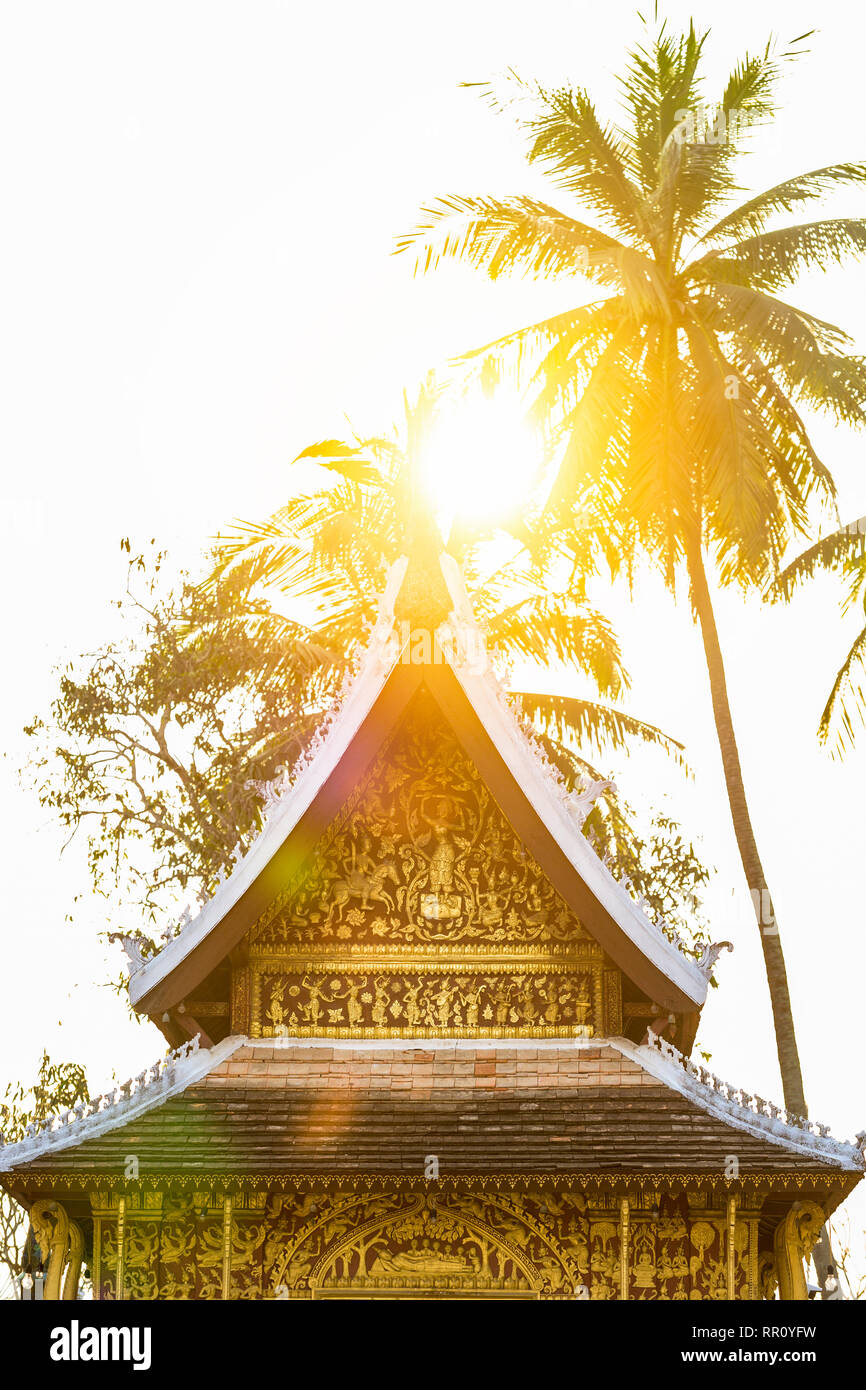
[768, 927]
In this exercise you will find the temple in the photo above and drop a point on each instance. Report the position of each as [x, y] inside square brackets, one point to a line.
[425, 1045]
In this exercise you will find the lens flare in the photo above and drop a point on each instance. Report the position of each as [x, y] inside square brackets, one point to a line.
[481, 460]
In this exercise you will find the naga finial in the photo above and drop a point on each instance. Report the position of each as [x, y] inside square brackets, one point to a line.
[131, 949]
[711, 953]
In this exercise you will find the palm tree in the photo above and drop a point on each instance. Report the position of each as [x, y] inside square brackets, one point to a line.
[676, 396]
[844, 550]
[329, 550]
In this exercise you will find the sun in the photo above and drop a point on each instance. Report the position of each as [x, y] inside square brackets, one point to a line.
[482, 460]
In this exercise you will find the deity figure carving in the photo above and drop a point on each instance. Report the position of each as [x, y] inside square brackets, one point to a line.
[423, 865]
[423, 854]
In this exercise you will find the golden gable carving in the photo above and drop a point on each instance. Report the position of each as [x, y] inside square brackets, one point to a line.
[422, 912]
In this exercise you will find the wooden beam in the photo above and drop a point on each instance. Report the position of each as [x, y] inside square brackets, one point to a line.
[191, 1026]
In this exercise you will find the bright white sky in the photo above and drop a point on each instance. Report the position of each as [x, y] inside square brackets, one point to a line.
[201, 201]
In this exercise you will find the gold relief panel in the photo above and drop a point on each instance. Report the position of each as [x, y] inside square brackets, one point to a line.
[339, 1239]
[421, 857]
[427, 1000]
[401, 1245]
[423, 914]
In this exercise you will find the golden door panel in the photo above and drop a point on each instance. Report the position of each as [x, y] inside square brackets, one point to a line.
[404, 1245]
[337, 1241]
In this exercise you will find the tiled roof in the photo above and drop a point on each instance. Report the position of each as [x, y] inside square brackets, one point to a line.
[479, 1109]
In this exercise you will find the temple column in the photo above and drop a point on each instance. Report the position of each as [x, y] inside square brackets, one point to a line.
[227, 1247]
[121, 1241]
[623, 1248]
[731, 1250]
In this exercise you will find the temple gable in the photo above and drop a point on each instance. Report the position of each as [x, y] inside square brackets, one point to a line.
[421, 913]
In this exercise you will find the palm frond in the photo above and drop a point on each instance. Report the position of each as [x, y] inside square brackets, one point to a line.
[774, 259]
[845, 710]
[345, 459]
[843, 550]
[506, 235]
[588, 160]
[551, 627]
[751, 217]
[591, 724]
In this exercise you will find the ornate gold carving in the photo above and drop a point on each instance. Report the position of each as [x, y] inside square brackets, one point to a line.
[672, 1264]
[623, 1247]
[240, 997]
[96, 1269]
[227, 1247]
[643, 1256]
[394, 1245]
[429, 1000]
[713, 1186]
[754, 1278]
[121, 1251]
[421, 913]
[604, 1259]
[177, 1252]
[323, 1237]
[795, 1239]
[708, 1265]
[141, 1281]
[731, 1250]
[62, 1246]
[612, 1004]
[421, 856]
[767, 1280]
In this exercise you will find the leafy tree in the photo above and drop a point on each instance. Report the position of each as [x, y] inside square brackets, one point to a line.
[58, 1086]
[675, 398]
[155, 740]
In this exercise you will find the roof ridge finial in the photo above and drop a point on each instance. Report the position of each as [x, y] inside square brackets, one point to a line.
[423, 599]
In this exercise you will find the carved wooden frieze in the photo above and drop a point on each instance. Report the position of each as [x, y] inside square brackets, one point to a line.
[338, 1240]
[422, 913]
[422, 857]
[448, 1001]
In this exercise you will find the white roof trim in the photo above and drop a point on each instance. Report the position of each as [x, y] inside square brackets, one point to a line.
[479, 684]
[750, 1113]
[147, 1091]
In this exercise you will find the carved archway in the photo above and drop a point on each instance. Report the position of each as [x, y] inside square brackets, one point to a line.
[423, 1246]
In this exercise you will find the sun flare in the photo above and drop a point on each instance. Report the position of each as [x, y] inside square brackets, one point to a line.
[482, 460]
